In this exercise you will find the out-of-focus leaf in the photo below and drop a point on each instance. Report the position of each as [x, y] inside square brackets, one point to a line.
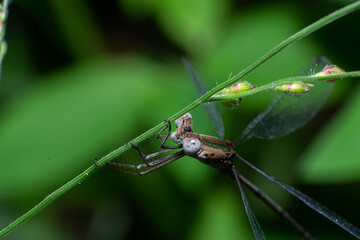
[334, 157]
[37, 228]
[57, 127]
[196, 25]
[250, 36]
[191, 175]
[111, 220]
[221, 217]
[73, 16]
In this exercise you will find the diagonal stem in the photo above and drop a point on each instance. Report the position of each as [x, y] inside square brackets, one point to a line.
[82, 176]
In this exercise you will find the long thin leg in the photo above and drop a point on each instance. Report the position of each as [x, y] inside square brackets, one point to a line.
[152, 165]
[149, 164]
[144, 157]
[332, 216]
[258, 232]
[168, 125]
[152, 155]
[166, 137]
[274, 206]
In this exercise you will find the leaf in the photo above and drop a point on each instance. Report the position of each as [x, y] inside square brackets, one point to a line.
[57, 128]
[196, 25]
[333, 157]
[220, 217]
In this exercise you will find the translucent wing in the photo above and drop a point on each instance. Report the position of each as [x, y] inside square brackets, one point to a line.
[332, 216]
[211, 108]
[270, 203]
[258, 232]
[287, 113]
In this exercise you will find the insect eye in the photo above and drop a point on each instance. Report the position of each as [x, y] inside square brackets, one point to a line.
[187, 129]
[191, 146]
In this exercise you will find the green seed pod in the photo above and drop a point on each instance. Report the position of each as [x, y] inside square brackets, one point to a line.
[238, 87]
[294, 89]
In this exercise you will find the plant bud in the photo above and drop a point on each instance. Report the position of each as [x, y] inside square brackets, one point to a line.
[329, 70]
[295, 88]
[238, 87]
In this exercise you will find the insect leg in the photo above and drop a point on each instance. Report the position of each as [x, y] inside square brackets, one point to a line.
[145, 158]
[152, 165]
[332, 216]
[166, 137]
[255, 225]
[274, 206]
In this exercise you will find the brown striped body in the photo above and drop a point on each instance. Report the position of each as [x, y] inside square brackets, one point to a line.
[213, 151]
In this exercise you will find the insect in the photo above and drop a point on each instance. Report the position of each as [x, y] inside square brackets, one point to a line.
[221, 154]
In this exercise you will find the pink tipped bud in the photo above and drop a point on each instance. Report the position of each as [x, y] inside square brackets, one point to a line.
[296, 88]
[329, 70]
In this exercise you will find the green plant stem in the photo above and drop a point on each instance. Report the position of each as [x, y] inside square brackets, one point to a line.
[272, 85]
[82, 176]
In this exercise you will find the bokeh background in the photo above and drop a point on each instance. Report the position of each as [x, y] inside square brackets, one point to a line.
[81, 78]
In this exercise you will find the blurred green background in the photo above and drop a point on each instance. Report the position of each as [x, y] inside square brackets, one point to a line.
[82, 77]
